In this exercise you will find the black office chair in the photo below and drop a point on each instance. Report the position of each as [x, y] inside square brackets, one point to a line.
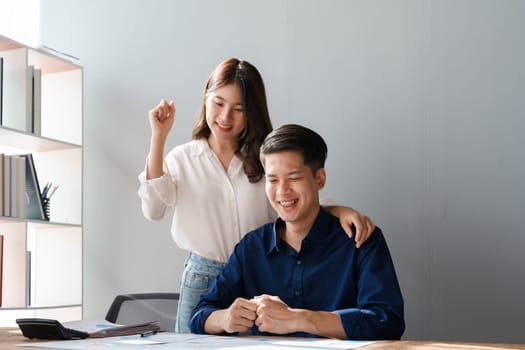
[128, 309]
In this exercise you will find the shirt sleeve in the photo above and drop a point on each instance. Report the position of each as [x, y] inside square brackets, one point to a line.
[379, 311]
[157, 195]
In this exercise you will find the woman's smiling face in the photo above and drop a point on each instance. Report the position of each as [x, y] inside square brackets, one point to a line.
[224, 113]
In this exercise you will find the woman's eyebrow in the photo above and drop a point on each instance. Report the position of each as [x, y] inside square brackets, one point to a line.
[225, 100]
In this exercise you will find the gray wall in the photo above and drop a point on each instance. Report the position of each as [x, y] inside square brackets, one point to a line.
[421, 103]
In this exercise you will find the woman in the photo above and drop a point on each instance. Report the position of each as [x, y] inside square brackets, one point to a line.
[213, 182]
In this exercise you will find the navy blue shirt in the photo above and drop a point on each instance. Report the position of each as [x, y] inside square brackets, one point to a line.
[328, 274]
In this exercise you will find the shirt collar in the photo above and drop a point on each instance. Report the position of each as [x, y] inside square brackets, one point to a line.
[317, 234]
[321, 227]
[200, 147]
[274, 239]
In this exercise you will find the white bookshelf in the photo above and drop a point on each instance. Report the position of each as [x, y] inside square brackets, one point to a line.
[42, 260]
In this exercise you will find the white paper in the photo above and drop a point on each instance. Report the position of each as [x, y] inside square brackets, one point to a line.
[182, 341]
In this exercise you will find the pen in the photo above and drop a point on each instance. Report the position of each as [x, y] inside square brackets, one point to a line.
[46, 188]
[148, 333]
[52, 191]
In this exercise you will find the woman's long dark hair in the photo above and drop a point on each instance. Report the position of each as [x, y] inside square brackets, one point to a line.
[255, 109]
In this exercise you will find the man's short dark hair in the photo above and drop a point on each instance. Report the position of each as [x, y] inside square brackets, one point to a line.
[293, 137]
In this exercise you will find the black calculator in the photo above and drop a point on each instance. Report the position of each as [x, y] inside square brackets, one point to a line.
[44, 328]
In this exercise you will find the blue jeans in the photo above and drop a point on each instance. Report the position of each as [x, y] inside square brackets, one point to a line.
[198, 276]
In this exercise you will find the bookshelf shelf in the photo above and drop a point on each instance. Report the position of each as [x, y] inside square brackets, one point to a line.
[41, 114]
[37, 308]
[15, 139]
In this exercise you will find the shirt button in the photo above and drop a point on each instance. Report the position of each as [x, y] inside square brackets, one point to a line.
[297, 294]
[298, 262]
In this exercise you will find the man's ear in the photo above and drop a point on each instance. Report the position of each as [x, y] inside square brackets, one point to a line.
[321, 178]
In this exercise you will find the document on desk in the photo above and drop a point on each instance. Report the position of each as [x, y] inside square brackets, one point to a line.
[101, 329]
[183, 341]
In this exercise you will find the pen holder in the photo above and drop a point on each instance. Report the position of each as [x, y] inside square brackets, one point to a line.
[45, 205]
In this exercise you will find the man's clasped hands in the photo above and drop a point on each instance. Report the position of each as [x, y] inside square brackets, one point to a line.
[269, 313]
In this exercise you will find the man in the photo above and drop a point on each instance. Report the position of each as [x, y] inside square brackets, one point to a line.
[302, 275]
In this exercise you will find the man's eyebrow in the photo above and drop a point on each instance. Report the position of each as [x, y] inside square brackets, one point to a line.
[293, 172]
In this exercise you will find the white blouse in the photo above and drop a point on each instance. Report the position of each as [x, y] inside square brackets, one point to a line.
[213, 209]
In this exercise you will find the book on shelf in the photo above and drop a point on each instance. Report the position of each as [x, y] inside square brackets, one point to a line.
[18, 186]
[30, 120]
[21, 196]
[35, 207]
[2, 159]
[7, 185]
[14, 186]
[28, 278]
[1, 87]
[17, 79]
[25, 120]
[36, 105]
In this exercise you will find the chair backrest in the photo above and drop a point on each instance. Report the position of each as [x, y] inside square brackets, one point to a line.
[128, 309]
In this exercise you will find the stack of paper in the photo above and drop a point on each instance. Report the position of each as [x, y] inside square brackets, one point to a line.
[107, 329]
